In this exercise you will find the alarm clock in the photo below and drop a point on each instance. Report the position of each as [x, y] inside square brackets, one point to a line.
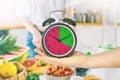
[59, 40]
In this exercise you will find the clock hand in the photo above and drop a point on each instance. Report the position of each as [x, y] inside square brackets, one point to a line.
[64, 38]
[55, 38]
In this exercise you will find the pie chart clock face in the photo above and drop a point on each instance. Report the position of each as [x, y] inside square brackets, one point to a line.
[59, 40]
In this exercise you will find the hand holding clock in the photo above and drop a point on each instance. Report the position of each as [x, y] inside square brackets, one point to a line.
[76, 60]
[102, 60]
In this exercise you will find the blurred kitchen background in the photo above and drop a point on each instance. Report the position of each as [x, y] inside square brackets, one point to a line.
[89, 36]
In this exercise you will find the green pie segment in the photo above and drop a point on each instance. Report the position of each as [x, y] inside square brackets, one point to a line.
[65, 36]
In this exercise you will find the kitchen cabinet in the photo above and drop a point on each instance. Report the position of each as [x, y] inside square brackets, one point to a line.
[10, 23]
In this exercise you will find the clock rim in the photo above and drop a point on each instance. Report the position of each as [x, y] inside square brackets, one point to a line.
[73, 47]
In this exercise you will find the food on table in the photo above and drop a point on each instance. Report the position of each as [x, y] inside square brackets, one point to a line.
[12, 71]
[30, 64]
[41, 69]
[33, 76]
[8, 69]
[19, 56]
[59, 71]
[20, 67]
[1, 78]
[2, 61]
[91, 77]
[21, 73]
[41, 63]
[8, 44]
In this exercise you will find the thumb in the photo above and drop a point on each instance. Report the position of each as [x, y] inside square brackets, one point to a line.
[40, 52]
[42, 29]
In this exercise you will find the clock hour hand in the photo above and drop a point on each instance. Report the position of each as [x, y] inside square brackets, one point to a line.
[55, 38]
[64, 38]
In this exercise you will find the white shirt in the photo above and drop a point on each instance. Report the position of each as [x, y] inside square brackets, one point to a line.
[38, 10]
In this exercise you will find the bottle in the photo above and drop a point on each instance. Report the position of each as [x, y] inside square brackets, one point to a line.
[75, 16]
[109, 33]
[84, 17]
[99, 17]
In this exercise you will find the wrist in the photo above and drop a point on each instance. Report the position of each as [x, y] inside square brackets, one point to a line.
[35, 32]
[90, 61]
[85, 63]
[93, 61]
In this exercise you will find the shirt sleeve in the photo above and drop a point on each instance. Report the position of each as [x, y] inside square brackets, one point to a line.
[23, 8]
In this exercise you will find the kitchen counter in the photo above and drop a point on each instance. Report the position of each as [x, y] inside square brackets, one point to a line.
[6, 27]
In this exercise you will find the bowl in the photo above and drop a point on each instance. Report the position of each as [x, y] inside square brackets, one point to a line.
[58, 73]
[57, 78]
[21, 73]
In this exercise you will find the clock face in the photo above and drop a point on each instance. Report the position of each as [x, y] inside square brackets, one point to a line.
[59, 40]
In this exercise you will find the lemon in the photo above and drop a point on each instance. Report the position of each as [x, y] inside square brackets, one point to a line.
[8, 70]
[1, 62]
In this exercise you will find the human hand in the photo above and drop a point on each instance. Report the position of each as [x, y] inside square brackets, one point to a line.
[37, 37]
[78, 59]
[37, 40]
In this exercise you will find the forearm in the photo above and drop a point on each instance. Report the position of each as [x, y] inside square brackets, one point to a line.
[29, 26]
[106, 59]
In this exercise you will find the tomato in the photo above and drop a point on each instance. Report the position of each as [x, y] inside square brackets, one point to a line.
[59, 71]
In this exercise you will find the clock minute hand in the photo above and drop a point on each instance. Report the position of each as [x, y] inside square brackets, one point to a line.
[64, 38]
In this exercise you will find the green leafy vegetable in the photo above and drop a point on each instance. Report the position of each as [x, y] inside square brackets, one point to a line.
[33, 76]
[8, 44]
[3, 34]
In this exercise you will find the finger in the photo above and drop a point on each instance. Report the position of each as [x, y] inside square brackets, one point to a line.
[37, 40]
[50, 60]
[39, 45]
[37, 57]
[40, 52]
[42, 29]
[55, 61]
[36, 43]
